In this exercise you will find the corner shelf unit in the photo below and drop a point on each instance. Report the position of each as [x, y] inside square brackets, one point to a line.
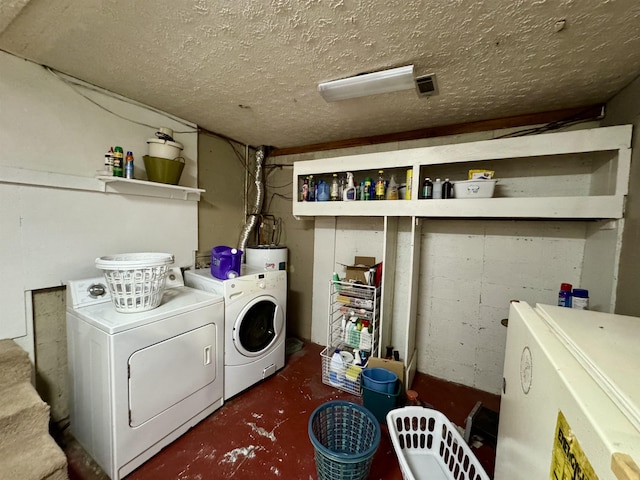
[582, 174]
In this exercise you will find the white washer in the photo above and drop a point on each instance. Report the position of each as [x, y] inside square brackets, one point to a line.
[255, 327]
[140, 380]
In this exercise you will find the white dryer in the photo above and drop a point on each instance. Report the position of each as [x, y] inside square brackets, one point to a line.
[255, 326]
[140, 380]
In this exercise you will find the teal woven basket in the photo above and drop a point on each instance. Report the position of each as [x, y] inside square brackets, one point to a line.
[345, 436]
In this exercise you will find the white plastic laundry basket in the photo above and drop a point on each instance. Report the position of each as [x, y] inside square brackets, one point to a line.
[429, 447]
[136, 280]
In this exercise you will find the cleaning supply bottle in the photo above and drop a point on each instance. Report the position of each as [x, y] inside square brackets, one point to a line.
[349, 192]
[128, 165]
[408, 188]
[118, 162]
[312, 189]
[108, 165]
[336, 369]
[437, 189]
[380, 186]
[427, 188]
[367, 188]
[334, 188]
[564, 295]
[392, 190]
[580, 299]
[447, 189]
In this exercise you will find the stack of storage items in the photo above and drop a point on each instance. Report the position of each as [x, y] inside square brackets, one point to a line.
[353, 334]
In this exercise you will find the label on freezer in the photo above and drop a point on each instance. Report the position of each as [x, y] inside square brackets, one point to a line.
[568, 461]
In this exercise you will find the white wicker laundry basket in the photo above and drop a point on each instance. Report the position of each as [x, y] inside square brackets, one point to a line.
[136, 280]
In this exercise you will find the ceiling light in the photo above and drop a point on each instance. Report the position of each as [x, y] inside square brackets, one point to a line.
[385, 81]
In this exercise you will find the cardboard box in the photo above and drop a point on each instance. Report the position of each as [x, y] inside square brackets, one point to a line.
[356, 271]
[392, 365]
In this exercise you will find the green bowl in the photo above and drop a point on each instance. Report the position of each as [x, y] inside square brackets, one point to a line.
[163, 170]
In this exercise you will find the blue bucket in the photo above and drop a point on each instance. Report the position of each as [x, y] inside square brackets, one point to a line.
[225, 262]
[379, 379]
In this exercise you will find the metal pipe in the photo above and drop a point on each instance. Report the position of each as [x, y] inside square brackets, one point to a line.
[252, 218]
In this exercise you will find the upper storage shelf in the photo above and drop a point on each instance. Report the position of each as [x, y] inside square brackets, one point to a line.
[577, 174]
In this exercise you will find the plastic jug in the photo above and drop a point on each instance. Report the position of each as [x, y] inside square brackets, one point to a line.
[323, 191]
[225, 262]
[336, 369]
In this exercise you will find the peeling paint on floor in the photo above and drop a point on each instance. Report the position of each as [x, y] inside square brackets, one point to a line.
[233, 455]
[262, 431]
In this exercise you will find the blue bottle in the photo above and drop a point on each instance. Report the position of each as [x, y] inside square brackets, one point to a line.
[564, 296]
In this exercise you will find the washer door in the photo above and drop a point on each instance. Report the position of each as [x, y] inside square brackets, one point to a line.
[258, 326]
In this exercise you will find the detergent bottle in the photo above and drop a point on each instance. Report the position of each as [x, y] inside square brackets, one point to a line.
[349, 193]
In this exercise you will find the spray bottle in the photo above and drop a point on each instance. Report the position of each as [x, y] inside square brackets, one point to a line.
[349, 193]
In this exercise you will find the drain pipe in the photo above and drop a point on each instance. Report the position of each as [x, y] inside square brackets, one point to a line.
[252, 218]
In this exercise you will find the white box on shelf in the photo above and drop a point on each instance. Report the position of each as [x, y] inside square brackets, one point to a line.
[478, 188]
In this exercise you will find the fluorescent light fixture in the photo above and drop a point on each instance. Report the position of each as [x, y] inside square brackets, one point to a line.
[385, 81]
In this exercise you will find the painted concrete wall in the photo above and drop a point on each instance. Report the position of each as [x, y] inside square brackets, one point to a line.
[625, 108]
[221, 208]
[297, 236]
[54, 139]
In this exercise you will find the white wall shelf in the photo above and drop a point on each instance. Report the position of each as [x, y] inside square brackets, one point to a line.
[150, 189]
[125, 186]
[580, 174]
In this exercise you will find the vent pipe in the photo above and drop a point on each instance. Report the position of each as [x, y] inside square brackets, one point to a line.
[256, 208]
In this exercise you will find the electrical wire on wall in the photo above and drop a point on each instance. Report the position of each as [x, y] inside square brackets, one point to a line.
[75, 85]
[556, 125]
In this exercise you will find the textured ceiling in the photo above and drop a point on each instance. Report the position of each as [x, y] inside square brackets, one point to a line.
[249, 69]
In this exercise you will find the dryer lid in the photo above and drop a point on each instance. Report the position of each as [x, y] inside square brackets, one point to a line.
[174, 302]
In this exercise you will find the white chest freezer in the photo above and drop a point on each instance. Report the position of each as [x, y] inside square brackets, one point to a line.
[570, 405]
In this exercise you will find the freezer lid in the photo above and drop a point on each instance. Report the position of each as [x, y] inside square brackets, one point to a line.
[606, 346]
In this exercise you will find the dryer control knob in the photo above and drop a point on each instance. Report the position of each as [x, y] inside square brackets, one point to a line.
[262, 285]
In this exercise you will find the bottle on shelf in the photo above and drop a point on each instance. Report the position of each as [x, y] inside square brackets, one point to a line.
[427, 188]
[408, 187]
[128, 165]
[304, 194]
[323, 193]
[349, 192]
[580, 299]
[437, 189]
[118, 160]
[392, 190]
[447, 189]
[341, 186]
[564, 295]
[108, 162]
[380, 186]
[312, 189]
[367, 189]
[335, 188]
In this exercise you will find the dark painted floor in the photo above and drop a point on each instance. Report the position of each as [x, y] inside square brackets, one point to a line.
[262, 433]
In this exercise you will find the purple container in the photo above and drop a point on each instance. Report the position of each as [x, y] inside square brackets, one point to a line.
[225, 262]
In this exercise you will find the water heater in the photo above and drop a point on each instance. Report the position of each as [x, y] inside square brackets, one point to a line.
[267, 257]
